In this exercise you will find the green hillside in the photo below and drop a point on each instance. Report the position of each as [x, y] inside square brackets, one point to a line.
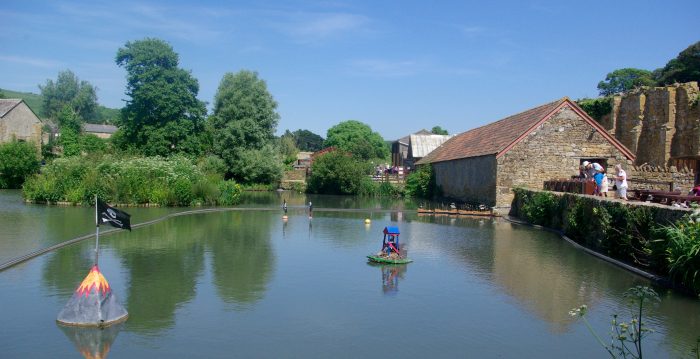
[32, 100]
[35, 102]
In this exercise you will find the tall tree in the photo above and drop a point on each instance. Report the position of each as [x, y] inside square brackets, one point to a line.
[163, 115]
[684, 68]
[357, 138]
[244, 119]
[69, 91]
[623, 80]
[307, 140]
[439, 131]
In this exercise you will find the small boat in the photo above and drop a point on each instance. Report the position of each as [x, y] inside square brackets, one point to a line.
[385, 259]
[390, 252]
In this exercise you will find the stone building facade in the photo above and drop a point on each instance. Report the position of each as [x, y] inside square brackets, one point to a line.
[523, 150]
[18, 122]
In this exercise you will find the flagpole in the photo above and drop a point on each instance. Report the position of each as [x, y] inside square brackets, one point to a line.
[97, 231]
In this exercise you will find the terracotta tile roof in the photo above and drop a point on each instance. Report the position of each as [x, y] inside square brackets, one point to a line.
[499, 137]
[492, 138]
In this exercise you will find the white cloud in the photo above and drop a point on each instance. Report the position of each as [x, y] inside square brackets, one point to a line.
[386, 68]
[32, 61]
[313, 27]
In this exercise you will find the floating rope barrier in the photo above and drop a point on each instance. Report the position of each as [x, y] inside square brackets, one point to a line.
[21, 259]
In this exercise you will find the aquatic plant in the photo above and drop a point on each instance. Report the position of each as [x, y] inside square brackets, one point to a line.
[625, 337]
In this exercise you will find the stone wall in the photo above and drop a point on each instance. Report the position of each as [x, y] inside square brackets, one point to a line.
[658, 124]
[470, 180]
[661, 178]
[553, 151]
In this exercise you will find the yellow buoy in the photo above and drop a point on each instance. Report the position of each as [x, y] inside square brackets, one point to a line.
[368, 221]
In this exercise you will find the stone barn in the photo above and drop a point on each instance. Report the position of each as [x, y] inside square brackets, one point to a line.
[19, 122]
[523, 150]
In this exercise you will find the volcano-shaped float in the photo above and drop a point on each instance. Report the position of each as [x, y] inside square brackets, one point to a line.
[93, 304]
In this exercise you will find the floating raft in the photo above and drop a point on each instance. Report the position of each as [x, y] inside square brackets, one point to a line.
[456, 212]
[378, 259]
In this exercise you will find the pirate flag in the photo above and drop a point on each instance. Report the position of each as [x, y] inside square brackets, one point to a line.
[113, 216]
[93, 304]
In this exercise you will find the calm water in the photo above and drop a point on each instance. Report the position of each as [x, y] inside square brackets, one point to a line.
[246, 284]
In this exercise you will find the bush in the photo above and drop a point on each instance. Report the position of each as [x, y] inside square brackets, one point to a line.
[539, 208]
[230, 193]
[175, 181]
[421, 183]
[683, 251]
[18, 160]
[338, 173]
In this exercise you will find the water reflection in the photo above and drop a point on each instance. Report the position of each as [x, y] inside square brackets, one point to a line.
[92, 342]
[391, 275]
[61, 271]
[243, 260]
[163, 262]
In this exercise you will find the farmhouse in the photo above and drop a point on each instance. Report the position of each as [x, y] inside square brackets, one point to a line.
[547, 142]
[19, 122]
[101, 131]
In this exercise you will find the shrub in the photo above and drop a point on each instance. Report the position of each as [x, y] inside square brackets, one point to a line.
[539, 208]
[175, 181]
[18, 160]
[421, 183]
[338, 173]
[683, 251]
[230, 193]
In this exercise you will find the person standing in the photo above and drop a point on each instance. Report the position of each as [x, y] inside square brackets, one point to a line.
[620, 182]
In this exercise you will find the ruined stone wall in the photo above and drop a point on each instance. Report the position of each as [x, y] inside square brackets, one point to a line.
[553, 151]
[661, 178]
[658, 124]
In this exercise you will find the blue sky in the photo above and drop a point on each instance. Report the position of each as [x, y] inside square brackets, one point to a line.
[398, 66]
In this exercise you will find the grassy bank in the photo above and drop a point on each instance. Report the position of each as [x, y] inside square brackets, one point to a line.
[174, 181]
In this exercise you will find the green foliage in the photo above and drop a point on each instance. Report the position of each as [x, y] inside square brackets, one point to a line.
[68, 119]
[90, 143]
[421, 183]
[175, 181]
[625, 337]
[683, 250]
[18, 160]
[623, 80]
[262, 165]
[684, 68]
[36, 103]
[439, 131]
[596, 107]
[69, 91]
[243, 124]
[288, 148]
[163, 116]
[358, 139]
[539, 208]
[633, 234]
[338, 173]
[307, 140]
[230, 193]
[212, 166]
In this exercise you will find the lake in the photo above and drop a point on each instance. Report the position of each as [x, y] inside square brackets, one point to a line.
[245, 283]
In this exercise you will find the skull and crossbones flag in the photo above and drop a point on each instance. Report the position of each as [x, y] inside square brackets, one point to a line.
[113, 216]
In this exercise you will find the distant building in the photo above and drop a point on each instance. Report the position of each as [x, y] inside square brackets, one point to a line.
[421, 145]
[399, 148]
[303, 160]
[101, 131]
[19, 122]
[547, 142]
